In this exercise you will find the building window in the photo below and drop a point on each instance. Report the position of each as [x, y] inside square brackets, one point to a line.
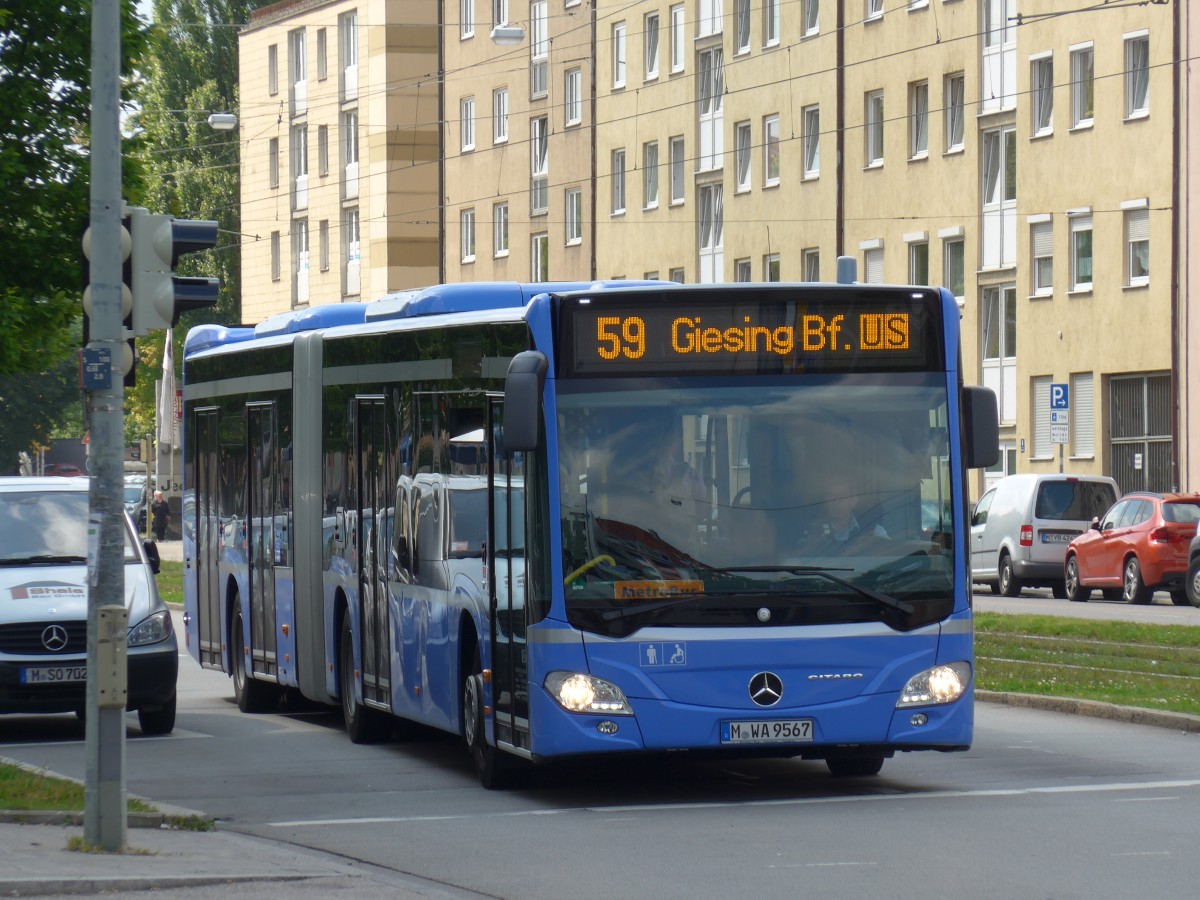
[741, 270]
[299, 167]
[709, 17]
[770, 23]
[650, 39]
[1041, 242]
[999, 339]
[812, 141]
[812, 15]
[771, 150]
[500, 12]
[273, 70]
[1137, 75]
[1082, 86]
[322, 150]
[650, 175]
[323, 236]
[348, 42]
[873, 264]
[810, 262]
[771, 267]
[466, 19]
[298, 68]
[954, 268]
[322, 55]
[999, 220]
[466, 220]
[273, 161]
[955, 88]
[918, 120]
[539, 48]
[741, 36]
[1083, 415]
[710, 89]
[1041, 89]
[918, 262]
[677, 185]
[1137, 244]
[466, 123]
[500, 229]
[651, 276]
[574, 209]
[742, 138]
[573, 97]
[712, 233]
[350, 153]
[678, 37]
[618, 182]
[874, 128]
[353, 243]
[1081, 253]
[677, 275]
[874, 9]
[275, 263]
[300, 251]
[499, 115]
[539, 165]
[618, 55]
[539, 257]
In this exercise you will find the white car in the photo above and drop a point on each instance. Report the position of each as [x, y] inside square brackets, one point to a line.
[44, 607]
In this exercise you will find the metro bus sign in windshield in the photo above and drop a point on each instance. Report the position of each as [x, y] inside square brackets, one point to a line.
[768, 334]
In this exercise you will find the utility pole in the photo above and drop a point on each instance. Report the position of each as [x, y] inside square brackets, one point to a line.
[104, 787]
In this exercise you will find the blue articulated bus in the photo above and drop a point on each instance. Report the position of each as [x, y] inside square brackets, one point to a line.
[567, 520]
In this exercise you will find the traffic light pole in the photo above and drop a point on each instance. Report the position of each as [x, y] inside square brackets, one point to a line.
[104, 787]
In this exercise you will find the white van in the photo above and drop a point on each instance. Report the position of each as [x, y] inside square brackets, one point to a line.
[1022, 526]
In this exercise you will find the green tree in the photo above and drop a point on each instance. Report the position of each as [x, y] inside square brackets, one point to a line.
[191, 71]
[45, 77]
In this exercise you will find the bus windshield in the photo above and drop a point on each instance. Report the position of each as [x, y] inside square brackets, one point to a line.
[710, 502]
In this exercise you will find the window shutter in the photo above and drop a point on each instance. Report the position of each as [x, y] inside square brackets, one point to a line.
[874, 266]
[1139, 224]
[1083, 417]
[1043, 239]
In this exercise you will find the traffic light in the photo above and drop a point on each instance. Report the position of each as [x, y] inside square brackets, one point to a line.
[127, 362]
[159, 295]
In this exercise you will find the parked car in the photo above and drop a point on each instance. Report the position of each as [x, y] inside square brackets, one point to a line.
[1192, 583]
[68, 470]
[136, 497]
[44, 607]
[1020, 528]
[1138, 546]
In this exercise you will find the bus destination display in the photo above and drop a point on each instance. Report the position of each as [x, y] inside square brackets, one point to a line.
[762, 337]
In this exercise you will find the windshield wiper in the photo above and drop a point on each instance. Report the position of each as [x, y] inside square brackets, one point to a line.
[827, 572]
[42, 559]
[624, 612]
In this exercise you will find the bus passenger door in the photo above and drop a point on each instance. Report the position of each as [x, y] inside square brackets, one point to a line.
[373, 536]
[262, 474]
[504, 559]
[207, 448]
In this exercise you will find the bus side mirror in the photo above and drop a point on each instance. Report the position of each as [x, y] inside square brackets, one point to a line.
[981, 427]
[523, 400]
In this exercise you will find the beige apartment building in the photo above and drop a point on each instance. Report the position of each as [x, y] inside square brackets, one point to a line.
[1022, 157]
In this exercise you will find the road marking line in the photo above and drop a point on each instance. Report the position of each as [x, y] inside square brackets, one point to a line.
[808, 801]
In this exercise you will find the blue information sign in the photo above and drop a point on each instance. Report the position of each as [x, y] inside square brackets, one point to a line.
[97, 368]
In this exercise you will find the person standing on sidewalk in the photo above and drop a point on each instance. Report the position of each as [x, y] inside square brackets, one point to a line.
[161, 514]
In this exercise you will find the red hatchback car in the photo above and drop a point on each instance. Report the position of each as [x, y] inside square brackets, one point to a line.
[1139, 546]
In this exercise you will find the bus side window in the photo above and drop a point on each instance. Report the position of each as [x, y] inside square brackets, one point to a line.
[401, 538]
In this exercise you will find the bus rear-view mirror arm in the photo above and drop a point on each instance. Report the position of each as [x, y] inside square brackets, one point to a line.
[523, 400]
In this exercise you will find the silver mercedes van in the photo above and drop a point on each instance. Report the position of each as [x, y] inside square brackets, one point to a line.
[1021, 528]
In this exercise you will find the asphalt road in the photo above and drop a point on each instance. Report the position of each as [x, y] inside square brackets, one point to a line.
[1043, 805]
[1040, 602]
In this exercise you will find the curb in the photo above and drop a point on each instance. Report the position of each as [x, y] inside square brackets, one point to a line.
[1133, 715]
[75, 818]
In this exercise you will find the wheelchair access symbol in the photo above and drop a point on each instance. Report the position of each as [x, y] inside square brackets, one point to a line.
[663, 653]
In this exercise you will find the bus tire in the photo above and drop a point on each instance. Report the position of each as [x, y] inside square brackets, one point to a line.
[854, 766]
[493, 767]
[364, 726]
[252, 695]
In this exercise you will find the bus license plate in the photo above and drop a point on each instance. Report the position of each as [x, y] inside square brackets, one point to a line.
[53, 674]
[769, 731]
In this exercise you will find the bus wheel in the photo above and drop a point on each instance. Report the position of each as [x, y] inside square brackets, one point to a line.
[365, 726]
[494, 768]
[252, 695]
[854, 766]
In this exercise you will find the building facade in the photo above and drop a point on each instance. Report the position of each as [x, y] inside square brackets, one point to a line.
[1024, 158]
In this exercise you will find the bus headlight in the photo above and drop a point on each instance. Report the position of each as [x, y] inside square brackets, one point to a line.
[933, 687]
[579, 693]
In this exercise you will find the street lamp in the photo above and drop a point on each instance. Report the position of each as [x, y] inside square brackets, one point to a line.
[222, 121]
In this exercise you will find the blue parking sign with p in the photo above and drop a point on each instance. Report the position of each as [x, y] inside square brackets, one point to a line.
[1060, 397]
